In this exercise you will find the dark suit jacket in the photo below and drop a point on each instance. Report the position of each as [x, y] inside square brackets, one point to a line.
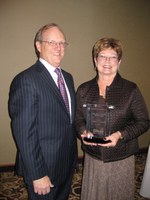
[44, 135]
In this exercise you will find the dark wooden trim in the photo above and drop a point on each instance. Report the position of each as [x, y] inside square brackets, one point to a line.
[143, 150]
[7, 168]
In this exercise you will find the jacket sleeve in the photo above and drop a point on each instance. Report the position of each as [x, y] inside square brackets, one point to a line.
[80, 120]
[23, 109]
[139, 123]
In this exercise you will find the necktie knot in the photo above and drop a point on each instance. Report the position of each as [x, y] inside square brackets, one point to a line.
[57, 71]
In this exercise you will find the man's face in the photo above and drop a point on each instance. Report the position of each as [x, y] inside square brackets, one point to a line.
[52, 47]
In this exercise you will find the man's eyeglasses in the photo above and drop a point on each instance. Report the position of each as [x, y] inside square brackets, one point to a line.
[54, 44]
[110, 58]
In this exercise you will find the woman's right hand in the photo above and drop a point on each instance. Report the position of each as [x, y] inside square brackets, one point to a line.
[87, 135]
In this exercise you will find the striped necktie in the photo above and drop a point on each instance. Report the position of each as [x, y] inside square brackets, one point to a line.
[61, 86]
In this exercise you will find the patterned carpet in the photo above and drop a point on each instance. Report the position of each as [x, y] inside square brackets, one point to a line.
[12, 187]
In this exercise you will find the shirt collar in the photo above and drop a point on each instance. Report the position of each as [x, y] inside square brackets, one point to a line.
[48, 66]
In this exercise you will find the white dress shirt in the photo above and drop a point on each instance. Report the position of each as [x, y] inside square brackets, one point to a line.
[52, 72]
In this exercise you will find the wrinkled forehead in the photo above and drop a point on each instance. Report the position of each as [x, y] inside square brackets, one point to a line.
[53, 33]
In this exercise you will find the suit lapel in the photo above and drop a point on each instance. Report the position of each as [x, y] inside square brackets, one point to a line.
[46, 76]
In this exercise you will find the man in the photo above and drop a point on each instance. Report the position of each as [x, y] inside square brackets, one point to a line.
[42, 125]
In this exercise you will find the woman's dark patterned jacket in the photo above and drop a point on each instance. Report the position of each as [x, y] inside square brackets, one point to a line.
[129, 116]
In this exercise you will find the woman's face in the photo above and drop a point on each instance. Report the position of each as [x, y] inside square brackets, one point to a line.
[107, 62]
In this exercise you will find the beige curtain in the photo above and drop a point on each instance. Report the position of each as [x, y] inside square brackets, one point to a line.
[145, 186]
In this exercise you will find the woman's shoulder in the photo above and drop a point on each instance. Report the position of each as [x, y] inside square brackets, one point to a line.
[125, 82]
[129, 83]
[87, 87]
[87, 84]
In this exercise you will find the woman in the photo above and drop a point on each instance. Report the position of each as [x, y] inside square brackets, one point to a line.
[119, 115]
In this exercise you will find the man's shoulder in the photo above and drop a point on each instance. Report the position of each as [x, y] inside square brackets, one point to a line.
[28, 74]
[29, 70]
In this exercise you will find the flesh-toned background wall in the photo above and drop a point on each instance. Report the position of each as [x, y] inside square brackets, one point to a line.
[84, 22]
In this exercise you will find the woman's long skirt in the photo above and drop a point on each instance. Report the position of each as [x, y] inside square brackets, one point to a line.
[108, 181]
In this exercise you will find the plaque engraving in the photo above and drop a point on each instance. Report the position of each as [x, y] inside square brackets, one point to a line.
[94, 115]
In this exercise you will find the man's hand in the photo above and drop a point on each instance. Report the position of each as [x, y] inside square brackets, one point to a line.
[42, 186]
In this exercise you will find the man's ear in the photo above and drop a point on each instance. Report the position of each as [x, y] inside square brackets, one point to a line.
[38, 46]
[95, 62]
